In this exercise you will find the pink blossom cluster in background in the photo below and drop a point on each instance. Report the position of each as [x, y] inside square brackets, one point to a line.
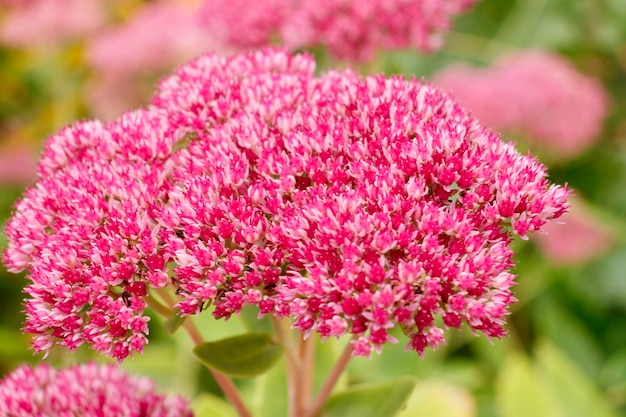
[536, 93]
[157, 34]
[577, 238]
[158, 37]
[352, 205]
[17, 166]
[351, 31]
[241, 24]
[48, 22]
[126, 55]
[88, 390]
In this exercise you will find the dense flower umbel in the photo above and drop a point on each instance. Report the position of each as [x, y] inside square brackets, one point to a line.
[84, 233]
[353, 205]
[88, 390]
[351, 30]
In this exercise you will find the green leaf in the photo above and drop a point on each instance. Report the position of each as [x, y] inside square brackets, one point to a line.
[243, 356]
[520, 392]
[264, 400]
[569, 334]
[439, 398]
[173, 323]
[206, 405]
[577, 394]
[379, 400]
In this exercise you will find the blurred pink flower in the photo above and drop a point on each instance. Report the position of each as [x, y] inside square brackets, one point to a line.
[350, 204]
[355, 30]
[577, 238]
[88, 390]
[159, 36]
[536, 93]
[128, 59]
[243, 24]
[110, 96]
[48, 22]
[17, 166]
[351, 30]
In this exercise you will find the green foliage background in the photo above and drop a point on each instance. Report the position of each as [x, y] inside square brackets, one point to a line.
[566, 354]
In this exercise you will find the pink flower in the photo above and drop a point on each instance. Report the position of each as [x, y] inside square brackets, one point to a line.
[84, 233]
[47, 22]
[157, 37]
[242, 24]
[108, 96]
[356, 30]
[352, 205]
[578, 238]
[88, 390]
[129, 57]
[17, 166]
[535, 93]
[350, 30]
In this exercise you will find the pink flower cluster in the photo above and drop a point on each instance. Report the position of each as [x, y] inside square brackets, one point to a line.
[126, 56]
[45, 22]
[17, 166]
[352, 205]
[157, 34]
[351, 30]
[88, 390]
[535, 93]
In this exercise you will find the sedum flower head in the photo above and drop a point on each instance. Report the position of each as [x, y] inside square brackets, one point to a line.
[88, 390]
[351, 31]
[352, 205]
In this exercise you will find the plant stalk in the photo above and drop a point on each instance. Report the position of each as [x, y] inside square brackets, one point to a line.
[331, 380]
[224, 382]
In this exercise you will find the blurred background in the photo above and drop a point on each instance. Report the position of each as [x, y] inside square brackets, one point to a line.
[548, 74]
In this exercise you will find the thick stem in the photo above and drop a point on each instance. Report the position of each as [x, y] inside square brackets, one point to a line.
[284, 337]
[154, 304]
[292, 364]
[225, 383]
[306, 353]
[331, 380]
[166, 296]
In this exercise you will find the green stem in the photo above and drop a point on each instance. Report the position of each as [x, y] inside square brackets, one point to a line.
[307, 356]
[166, 296]
[157, 306]
[226, 384]
[284, 338]
[331, 380]
[292, 366]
